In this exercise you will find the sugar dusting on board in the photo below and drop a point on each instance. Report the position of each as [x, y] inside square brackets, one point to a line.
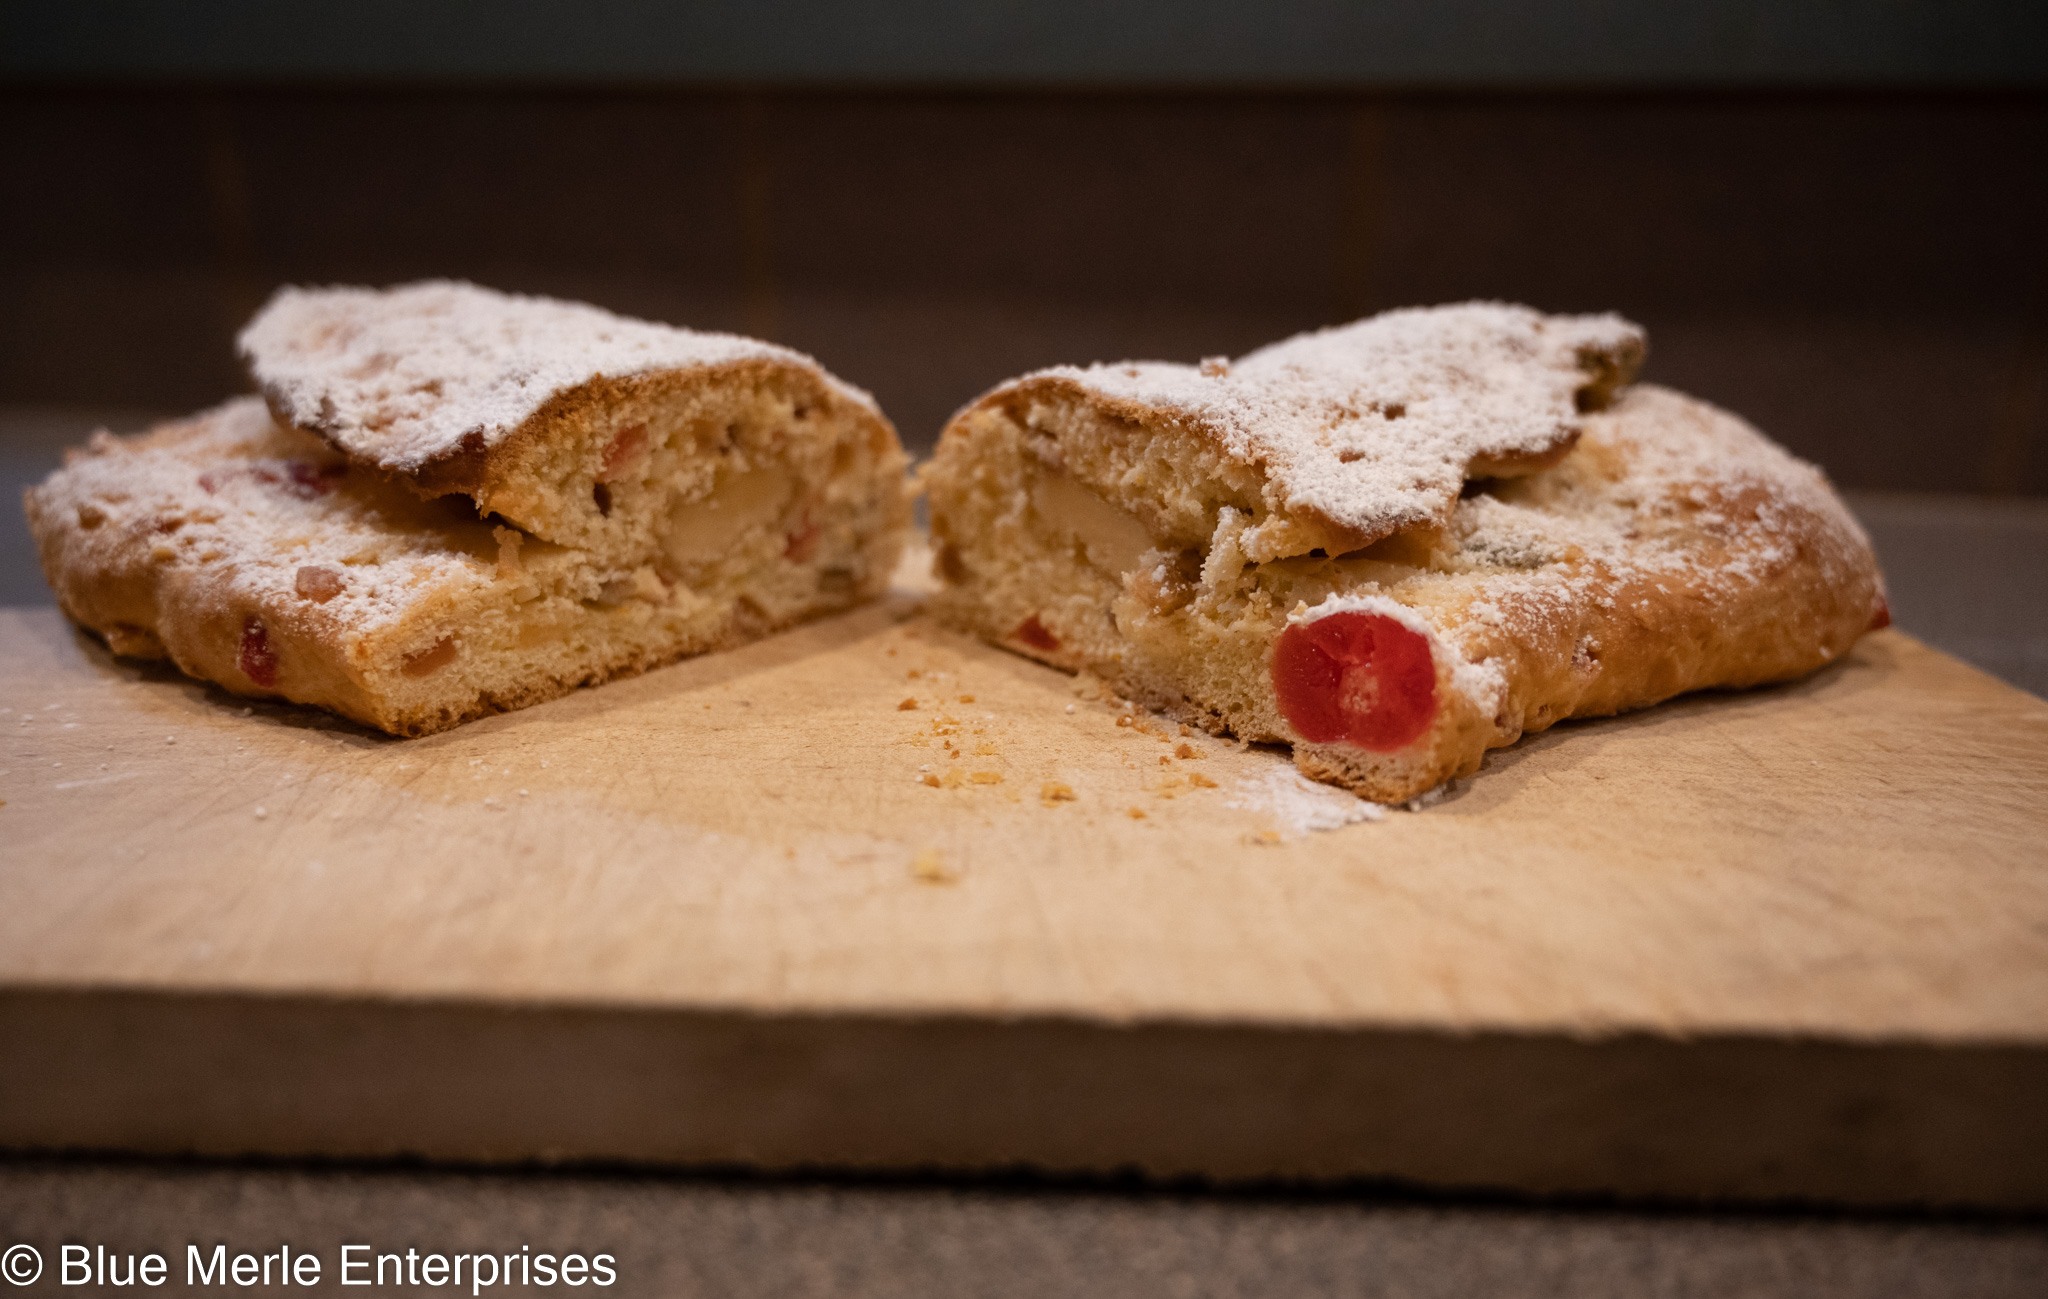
[1298, 805]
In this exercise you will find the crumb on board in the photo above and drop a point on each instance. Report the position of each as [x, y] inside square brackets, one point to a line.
[906, 705]
[1053, 791]
[986, 777]
[1200, 781]
[932, 780]
[1187, 750]
[1135, 813]
[930, 868]
[1264, 839]
[967, 699]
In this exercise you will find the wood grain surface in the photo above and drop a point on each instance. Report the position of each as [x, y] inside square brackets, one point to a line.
[1790, 942]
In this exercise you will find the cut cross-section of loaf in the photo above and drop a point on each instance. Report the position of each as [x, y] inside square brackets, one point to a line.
[626, 503]
[1396, 544]
[577, 426]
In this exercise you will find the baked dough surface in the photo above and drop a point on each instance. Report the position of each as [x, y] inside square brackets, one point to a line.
[620, 523]
[1670, 547]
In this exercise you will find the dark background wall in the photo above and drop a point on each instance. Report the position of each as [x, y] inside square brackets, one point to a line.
[1830, 215]
[1865, 274]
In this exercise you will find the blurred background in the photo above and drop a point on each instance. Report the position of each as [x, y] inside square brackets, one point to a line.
[1830, 217]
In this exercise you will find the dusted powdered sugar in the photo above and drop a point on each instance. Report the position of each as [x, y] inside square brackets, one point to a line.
[1374, 425]
[230, 493]
[1297, 805]
[398, 377]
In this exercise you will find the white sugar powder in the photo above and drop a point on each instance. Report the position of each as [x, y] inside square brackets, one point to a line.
[1298, 805]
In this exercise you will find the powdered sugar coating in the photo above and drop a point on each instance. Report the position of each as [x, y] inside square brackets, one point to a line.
[236, 506]
[1375, 425]
[1297, 805]
[1667, 490]
[402, 376]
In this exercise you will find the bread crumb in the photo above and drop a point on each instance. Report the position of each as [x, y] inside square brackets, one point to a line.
[1165, 761]
[967, 699]
[1123, 719]
[931, 780]
[1052, 791]
[509, 540]
[906, 705]
[1200, 781]
[1135, 813]
[987, 749]
[913, 674]
[930, 868]
[953, 779]
[1188, 751]
[1264, 839]
[1184, 731]
[986, 777]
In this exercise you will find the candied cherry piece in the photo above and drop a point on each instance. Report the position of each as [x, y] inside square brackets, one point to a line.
[1035, 634]
[310, 481]
[801, 544]
[318, 583]
[256, 660]
[1357, 678]
[623, 452]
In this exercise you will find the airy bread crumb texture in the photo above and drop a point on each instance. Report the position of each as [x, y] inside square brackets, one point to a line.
[1330, 440]
[1667, 546]
[578, 426]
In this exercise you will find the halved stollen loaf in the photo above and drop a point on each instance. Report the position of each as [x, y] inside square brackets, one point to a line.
[499, 499]
[1395, 544]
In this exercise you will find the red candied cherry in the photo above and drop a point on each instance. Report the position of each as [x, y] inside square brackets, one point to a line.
[1357, 678]
[801, 544]
[1880, 613]
[624, 450]
[1035, 634]
[309, 481]
[256, 660]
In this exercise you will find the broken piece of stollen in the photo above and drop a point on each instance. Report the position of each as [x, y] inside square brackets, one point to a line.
[1395, 544]
[452, 502]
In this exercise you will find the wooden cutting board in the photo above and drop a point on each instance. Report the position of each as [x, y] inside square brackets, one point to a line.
[1785, 943]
